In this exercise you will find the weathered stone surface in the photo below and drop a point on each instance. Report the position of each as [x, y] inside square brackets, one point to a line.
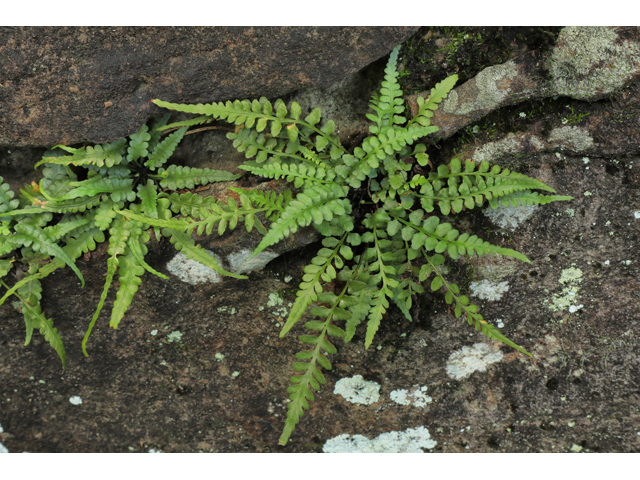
[220, 385]
[64, 85]
[141, 391]
[587, 63]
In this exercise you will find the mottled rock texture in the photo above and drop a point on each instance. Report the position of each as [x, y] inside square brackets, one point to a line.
[587, 63]
[64, 85]
[221, 387]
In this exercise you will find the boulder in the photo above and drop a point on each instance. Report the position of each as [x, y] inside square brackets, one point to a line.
[65, 85]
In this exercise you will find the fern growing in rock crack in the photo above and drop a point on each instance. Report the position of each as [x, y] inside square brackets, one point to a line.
[375, 207]
[377, 215]
[127, 173]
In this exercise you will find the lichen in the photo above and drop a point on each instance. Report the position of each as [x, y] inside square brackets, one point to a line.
[412, 440]
[358, 390]
[174, 337]
[464, 362]
[239, 262]
[587, 63]
[490, 94]
[573, 138]
[510, 217]
[493, 150]
[489, 291]
[192, 272]
[567, 298]
[417, 397]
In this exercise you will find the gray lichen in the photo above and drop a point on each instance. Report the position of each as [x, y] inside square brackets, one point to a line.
[587, 62]
[490, 95]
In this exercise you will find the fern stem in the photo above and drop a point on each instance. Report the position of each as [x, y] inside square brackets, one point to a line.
[298, 398]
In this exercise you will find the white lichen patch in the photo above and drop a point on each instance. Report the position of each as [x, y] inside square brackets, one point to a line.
[510, 217]
[636, 214]
[225, 309]
[239, 262]
[417, 397]
[3, 449]
[491, 93]
[358, 390]
[276, 304]
[75, 400]
[190, 271]
[492, 150]
[174, 337]
[573, 138]
[571, 275]
[462, 363]
[412, 440]
[489, 291]
[567, 298]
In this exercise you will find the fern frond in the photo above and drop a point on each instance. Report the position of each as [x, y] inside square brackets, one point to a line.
[139, 144]
[84, 242]
[7, 202]
[186, 123]
[31, 236]
[301, 174]
[462, 305]
[108, 154]
[526, 197]
[29, 297]
[300, 390]
[319, 268]
[427, 106]
[265, 147]
[262, 113]
[165, 149]
[177, 177]
[177, 224]
[388, 104]
[139, 250]
[60, 230]
[118, 188]
[129, 271]
[148, 195]
[315, 204]
[432, 235]
[272, 202]
[119, 234]
[454, 189]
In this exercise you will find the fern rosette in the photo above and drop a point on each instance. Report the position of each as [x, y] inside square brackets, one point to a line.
[88, 188]
[398, 245]
[379, 213]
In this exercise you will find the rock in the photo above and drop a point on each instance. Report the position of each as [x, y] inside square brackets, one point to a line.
[221, 387]
[587, 63]
[65, 85]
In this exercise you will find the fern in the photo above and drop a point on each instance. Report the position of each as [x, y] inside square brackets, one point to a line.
[127, 174]
[398, 245]
[378, 214]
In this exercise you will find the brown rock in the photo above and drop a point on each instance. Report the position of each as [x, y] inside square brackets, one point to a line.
[64, 85]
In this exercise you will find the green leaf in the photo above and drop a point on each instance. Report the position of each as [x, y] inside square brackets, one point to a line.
[165, 149]
[31, 236]
[130, 272]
